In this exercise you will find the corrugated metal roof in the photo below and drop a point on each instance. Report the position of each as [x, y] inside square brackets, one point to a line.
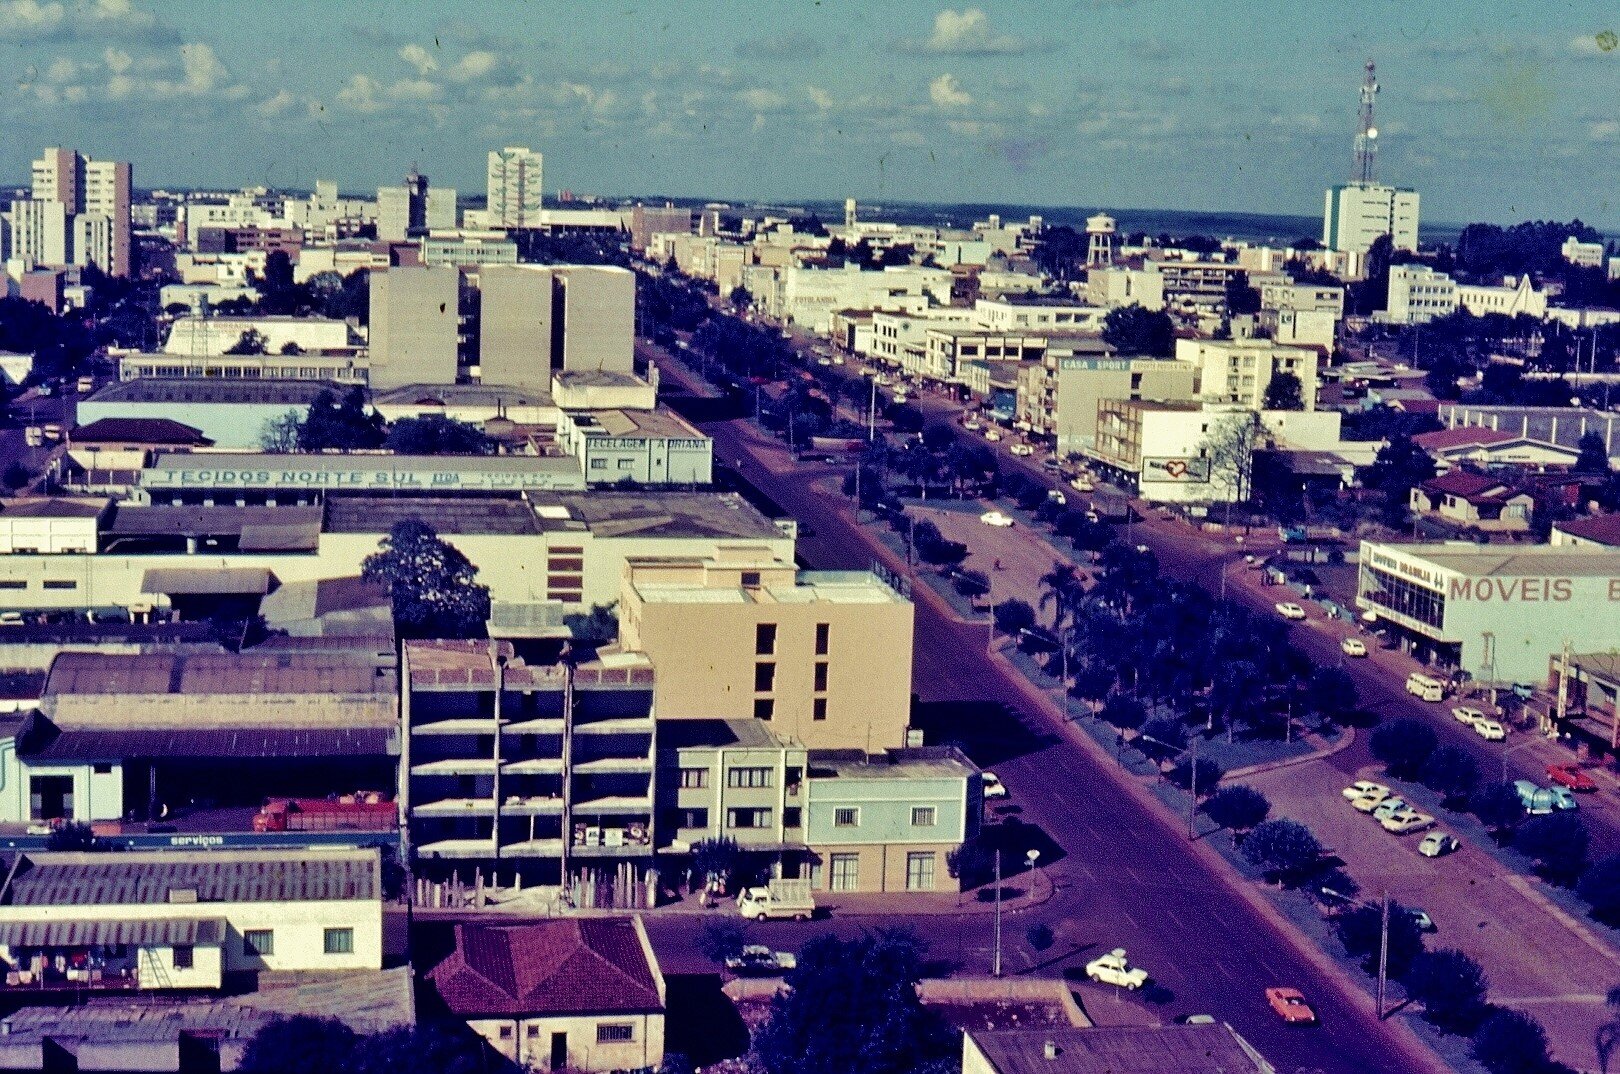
[341, 672]
[150, 878]
[52, 744]
[160, 932]
[181, 581]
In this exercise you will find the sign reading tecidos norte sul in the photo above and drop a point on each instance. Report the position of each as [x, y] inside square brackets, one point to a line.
[359, 480]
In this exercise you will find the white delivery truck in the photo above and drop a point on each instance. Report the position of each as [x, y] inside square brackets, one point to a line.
[1425, 687]
[778, 899]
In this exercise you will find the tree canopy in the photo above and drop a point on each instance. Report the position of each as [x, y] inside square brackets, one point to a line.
[333, 424]
[306, 1045]
[432, 585]
[433, 434]
[1136, 330]
[1285, 392]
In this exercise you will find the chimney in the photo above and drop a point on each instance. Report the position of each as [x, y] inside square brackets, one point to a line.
[1050, 1049]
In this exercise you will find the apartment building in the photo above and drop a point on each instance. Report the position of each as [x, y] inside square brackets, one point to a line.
[1355, 215]
[543, 769]
[79, 213]
[947, 352]
[415, 325]
[823, 657]
[1058, 395]
[1418, 293]
[1118, 286]
[467, 248]
[900, 339]
[1238, 371]
[536, 320]
[515, 188]
[1038, 314]
[1160, 449]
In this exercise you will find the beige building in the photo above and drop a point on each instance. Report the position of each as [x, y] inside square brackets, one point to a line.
[1058, 395]
[415, 325]
[539, 319]
[823, 656]
[1239, 370]
[581, 995]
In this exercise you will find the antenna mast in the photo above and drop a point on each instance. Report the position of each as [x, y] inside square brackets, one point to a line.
[1366, 132]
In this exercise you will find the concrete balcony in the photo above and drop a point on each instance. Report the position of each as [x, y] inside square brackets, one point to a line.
[607, 765]
[459, 726]
[533, 766]
[534, 727]
[533, 848]
[615, 804]
[532, 807]
[455, 766]
[618, 726]
[457, 848]
[455, 807]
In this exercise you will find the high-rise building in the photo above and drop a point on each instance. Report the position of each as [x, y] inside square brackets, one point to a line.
[415, 325]
[79, 213]
[1360, 211]
[515, 187]
[412, 210]
[537, 319]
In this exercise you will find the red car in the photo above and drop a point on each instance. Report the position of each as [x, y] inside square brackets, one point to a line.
[1289, 1005]
[1571, 776]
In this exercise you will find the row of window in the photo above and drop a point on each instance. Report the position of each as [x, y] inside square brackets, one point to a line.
[262, 942]
[759, 817]
[694, 778]
[606, 1032]
[48, 583]
[765, 638]
[602, 464]
[765, 676]
[845, 870]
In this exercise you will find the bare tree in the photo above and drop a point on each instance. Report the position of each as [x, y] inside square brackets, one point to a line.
[1230, 449]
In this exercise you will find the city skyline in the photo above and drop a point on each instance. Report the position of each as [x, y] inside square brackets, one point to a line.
[1136, 104]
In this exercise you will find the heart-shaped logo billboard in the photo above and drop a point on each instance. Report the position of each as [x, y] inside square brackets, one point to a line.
[1175, 468]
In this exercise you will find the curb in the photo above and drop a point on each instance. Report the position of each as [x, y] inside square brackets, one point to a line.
[1347, 738]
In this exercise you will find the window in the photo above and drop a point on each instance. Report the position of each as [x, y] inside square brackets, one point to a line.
[598, 464]
[847, 818]
[750, 579]
[340, 941]
[823, 637]
[13, 583]
[791, 817]
[846, 872]
[821, 676]
[764, 677]
[60, 583]
[183, 956]
[259, 942]
[506, 1032]
[764, 708]
[615, 1032]
[694, 777]
[626, 464]
[748, 777]
[693, 818]
[920, 870]
[765, 639]
[818, 708]
[101, 769]
[748, 818]
[923, 816]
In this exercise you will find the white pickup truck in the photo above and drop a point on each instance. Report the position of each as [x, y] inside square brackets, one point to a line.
[1113, 969]
[778, 899]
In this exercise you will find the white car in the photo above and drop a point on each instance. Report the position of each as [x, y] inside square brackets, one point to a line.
[992, 435]
[757, 960]
[1490, 730]
[1437, 844]
[1467, 714]
[1289, 610]
[1023, 451]
[1370, 801]
[1353, 647]
[1082, 484]
[972, 425]
[1113, 969]
[993, 787]
[1363, 787]
[996, 518]
[1407, 823]
[824, 361]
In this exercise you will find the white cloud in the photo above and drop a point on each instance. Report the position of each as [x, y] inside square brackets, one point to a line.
[968, 33]
[275, 106]
[204, 73]
[946, 93]
[116, 59]
[34, 20]
[759, 99]
[30, 18]
[473, 66]
[1604, 130]
[819, 97]
[419, 58]
[62, 69]
[360, 94]
[414, 89]
[1592, 46]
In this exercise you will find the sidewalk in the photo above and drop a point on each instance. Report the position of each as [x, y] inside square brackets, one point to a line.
[1035, 889]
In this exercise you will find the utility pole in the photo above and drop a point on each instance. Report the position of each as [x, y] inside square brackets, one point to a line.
[1192, 804]
[995, 966]
[1383, 958]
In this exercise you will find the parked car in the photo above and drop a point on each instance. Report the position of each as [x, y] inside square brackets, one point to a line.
[1467, 714]
[1082, 484]
[1572, 777]
[1023, 451]
[996, 518]
[1425, 687]
[1370, 801]
[757, 960]
[1289, 1005]
[1438, 845]
[993, 787]
[1390, 806]
[1195, 1019]
[1289, 610]
[1113, 969]
[1363, 787]
[12, 619]
[1562, 798]
[1537, 801]
[778, 899]
[992, 435]
[972, 425]
[1353, 647]
[1406, 823]
[1490, 730]
[1425, 923]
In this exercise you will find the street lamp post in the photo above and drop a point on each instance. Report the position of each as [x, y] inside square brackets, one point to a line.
[1191, 750]
[995, 963]
[1383, 941]
[1510, 751]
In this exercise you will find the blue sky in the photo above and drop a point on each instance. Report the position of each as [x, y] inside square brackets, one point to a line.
[1492, 110]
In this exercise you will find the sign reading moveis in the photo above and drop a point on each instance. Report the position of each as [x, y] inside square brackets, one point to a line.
[1520, 590]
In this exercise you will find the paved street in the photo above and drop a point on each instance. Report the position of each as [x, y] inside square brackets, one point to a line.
[1127, 875]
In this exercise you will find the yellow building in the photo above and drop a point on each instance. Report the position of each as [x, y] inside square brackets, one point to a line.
[823, 656]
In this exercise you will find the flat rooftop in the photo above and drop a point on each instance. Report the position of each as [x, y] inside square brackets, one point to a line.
[356, 472]
[460, 395]
[597, 378]
[698, 734]
[258, 528]
[809, 587]
[1205, 1049]
[609, 514]
[941, 762]
[652, 423]
[53, 507]
[289, 393]
[377, 514]
[351, 671]
[67, 879]
[1535, 561]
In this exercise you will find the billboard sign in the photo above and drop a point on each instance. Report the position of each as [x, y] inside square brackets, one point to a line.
[1188, 470]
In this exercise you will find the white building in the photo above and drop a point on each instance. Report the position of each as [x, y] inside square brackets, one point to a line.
[1498, 613]
[1356, 214]
[216, 335]
[515, 188]
[1418, 293]
[1238, 371]
[809, 296]
[1026, 314]
[1113, 288]
[1584, 254]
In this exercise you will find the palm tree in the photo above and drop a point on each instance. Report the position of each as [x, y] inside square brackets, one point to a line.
[1061, 587]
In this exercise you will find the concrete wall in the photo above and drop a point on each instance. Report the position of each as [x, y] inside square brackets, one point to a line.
[515, 326]
[598, 310]
[415, 323]
[879, 867]
[527, 1041]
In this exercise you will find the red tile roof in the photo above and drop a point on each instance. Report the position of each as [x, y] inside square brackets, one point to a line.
[588, 965]
[1461, 436]
[1462, 483]
[138, 431]
[1601, 529]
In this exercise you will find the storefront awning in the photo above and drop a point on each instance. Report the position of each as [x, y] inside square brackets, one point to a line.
[162, 932]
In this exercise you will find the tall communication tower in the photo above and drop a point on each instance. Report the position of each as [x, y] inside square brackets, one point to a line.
[1366, 133]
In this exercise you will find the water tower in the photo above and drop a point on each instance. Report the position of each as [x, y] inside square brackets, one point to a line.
[1100, 240]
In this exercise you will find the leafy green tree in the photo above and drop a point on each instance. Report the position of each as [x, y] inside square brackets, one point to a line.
[851, 1007]
[1451, 986]
[1450, 771]
[431, 583]
[1600, 887]
[1237, 807]
[599, 626]
[280, 435]
[333, 424]
[1497, 805]
[1285, 392]
[1361, 932]
[1593, 457]
[71, 836]
[16, 475]
[1062, 589]
[1013, 616]
[1331, 694]
[719, 858]
[434, 434]
[291, 347]
[1124, 712]
[1282, 846]
[1162, 736]
[1511, 1042]
[722, 939]
[252, 341]
[1403, 746]
[1399, 465]
[1557, 843]
[1135, 330]
[1209, 774]
[971, 584]
[300, 1045]
[1241, 296]
[425, 1048]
